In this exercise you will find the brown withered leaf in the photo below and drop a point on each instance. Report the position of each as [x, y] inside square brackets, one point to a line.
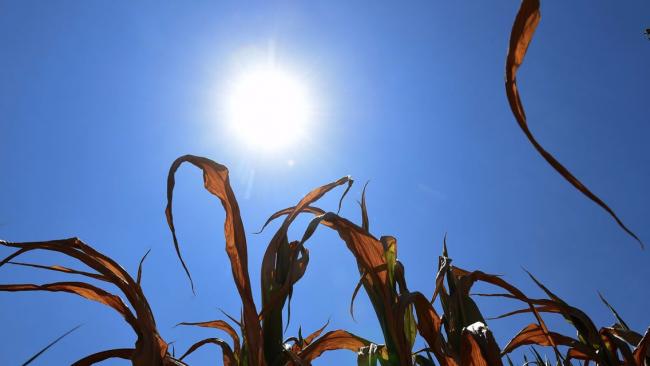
[82, 289]
[333, 340]
[369, 253]
[469, 278]
[217, 182]
[523, 29]
[533, 334]
[283, 265]
[310, 338]
[617, 345]
[228, 357]
[428, 324]
[286, 211]
[269, 260]
[124, 353]
[471, 352]
[574, 353]
[221, 325]
[58, 268]
[581, 321]
[150, 348]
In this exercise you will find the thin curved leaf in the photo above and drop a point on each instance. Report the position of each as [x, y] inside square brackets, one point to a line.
[58, 268]
[124, 353]
[523, 29]
[217, 182]
[82, 289]
[333, 340]
[139, 277]
[39, 353]
[228, 357]
[221, 325]
[533, 334]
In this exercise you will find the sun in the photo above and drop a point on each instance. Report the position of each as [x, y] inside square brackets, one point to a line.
[268, 108]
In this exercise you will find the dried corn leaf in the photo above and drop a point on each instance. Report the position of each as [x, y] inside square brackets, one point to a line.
[533, 334]
[228, 357]
[217, 182]
[124, 353]
[82, 289]
[221, 325]
[58, 268]
[334, 340]
[523, 29]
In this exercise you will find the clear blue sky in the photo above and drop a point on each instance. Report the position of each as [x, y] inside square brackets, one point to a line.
[98, 98]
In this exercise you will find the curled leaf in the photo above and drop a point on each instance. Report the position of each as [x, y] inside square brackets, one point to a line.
[336, 339]
[533, 334]
[124, 353]
[221, 325]
[228, 357]
[217, 182]
[523, 29]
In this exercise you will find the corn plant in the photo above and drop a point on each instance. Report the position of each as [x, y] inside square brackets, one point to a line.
[149, 348]
[284, 263]
[458, 336]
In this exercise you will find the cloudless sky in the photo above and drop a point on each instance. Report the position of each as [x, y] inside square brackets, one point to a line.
[98, 98]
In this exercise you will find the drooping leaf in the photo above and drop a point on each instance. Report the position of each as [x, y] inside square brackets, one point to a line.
[124, 353]
[369, 254]
[286, 211]
[533, 334]
[310, 338]
[587, 331]
[428, 324]
[523, 29]
[150, 347]
[221, 325]
[59, 268]
[217, 182]
[82, 289]
[333, 340]
[228, 357]
[283, 265]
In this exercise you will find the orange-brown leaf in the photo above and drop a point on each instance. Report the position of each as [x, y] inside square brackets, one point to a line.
[222, 325]
[217, 182]
[534, 334]
[82, 289]
[228, 357]
[336, 339]
[124, 353]
[522, 33]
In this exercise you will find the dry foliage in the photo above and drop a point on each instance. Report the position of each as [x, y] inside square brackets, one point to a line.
[458, 336]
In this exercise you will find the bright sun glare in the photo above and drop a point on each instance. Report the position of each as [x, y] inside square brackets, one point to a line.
[269, 108]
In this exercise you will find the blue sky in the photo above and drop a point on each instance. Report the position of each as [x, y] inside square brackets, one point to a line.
[98, 98]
